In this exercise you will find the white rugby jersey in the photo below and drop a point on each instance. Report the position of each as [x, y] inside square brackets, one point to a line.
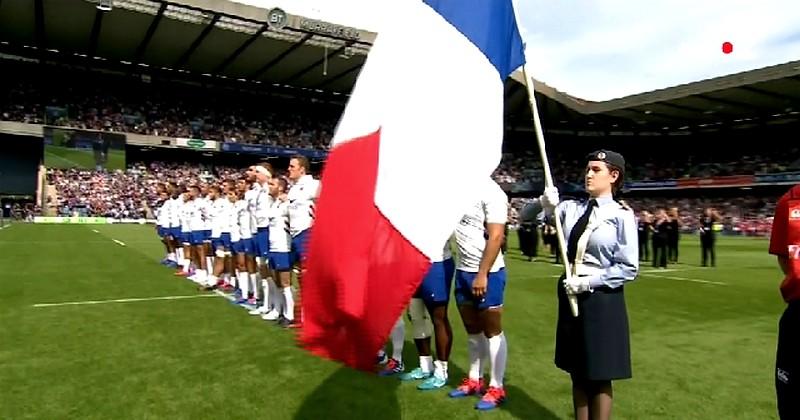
[187, 214]
[242, 211]
[302, 196]
[162, 213]
[220, 221]
[471, 231]
[280, 240]
[175, 211]
[206, 205]
[263, 204]
[199, 211]
[251, 197]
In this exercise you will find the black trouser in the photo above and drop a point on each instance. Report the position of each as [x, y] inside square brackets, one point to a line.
[787, 368]
[707, 245]
[659, 251]
[673, 248]
[644, 248]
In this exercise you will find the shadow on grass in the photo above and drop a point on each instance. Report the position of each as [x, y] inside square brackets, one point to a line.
[351, 394]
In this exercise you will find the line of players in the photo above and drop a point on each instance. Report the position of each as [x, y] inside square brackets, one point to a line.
[247, 235]
[243, 233]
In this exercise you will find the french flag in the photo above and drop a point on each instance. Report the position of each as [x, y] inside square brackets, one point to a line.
[423, 127]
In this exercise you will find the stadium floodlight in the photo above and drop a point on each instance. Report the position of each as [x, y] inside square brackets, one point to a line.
[105, 5]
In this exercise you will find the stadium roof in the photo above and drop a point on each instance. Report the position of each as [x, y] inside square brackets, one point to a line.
[762, 96]
[228, 40]
[203, 37]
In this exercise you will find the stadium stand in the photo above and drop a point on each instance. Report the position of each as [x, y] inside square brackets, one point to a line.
[63, 96]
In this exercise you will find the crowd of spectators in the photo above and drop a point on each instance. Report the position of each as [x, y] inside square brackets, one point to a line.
[746, 215]
[135, 106]
[112, 103]
[129, 194]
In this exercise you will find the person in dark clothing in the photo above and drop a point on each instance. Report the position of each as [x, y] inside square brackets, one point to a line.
[645, 220]
[549, 232]
[528, 240]
[660, 229]
[707, 237]
[674, 235]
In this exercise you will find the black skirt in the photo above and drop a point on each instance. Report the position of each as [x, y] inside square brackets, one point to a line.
[595, 345]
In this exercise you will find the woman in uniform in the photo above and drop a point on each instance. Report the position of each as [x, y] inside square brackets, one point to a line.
[602, 248]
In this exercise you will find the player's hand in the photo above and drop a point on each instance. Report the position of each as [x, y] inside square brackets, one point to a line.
[479, 285]
[576, 285]
[549, 199]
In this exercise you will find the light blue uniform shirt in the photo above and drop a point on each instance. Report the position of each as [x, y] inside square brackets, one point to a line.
[613, 246]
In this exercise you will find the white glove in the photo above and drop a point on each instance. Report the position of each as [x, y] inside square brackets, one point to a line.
[549, 199]
[577, 285]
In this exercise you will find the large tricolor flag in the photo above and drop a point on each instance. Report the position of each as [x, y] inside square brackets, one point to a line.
[423, 127]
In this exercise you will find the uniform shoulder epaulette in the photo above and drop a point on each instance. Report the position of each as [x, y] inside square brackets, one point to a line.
[624, 205]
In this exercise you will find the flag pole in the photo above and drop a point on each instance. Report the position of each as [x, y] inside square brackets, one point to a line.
[548, 181]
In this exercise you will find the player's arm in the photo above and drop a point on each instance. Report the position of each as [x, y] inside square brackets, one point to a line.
[495, 233]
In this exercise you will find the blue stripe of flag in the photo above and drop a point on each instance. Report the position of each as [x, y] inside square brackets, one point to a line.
[490, 25]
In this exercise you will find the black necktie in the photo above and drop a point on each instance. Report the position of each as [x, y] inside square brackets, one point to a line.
[577, 231]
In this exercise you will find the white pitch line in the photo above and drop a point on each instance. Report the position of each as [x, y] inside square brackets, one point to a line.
[716, 283]
[662, 270]
[95, 231]
[223, 294]
[100, 302]
[119, 242]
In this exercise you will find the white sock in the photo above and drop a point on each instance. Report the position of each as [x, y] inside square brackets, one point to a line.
[171, 257]
[275, 299]
[186, 264]
[265, 290]
[426, 364]
[288, 306]
[254, 284]
[475, 352]
[200, 275]
[244, 284]
[398, 336]
[498, 350]
[179, 255]
[209, 263]
[441, 369]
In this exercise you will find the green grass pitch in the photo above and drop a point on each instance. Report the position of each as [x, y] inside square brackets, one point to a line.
[703, 342]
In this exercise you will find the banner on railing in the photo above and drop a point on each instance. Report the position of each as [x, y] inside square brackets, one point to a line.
[779, 178]
[717, 181]
[651, 185]
[259, 149]
[78, 220]
[196, 144]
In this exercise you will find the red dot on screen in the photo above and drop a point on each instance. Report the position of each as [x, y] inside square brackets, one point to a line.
[727, 47]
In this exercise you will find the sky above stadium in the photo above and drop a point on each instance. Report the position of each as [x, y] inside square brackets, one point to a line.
[605, 49]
